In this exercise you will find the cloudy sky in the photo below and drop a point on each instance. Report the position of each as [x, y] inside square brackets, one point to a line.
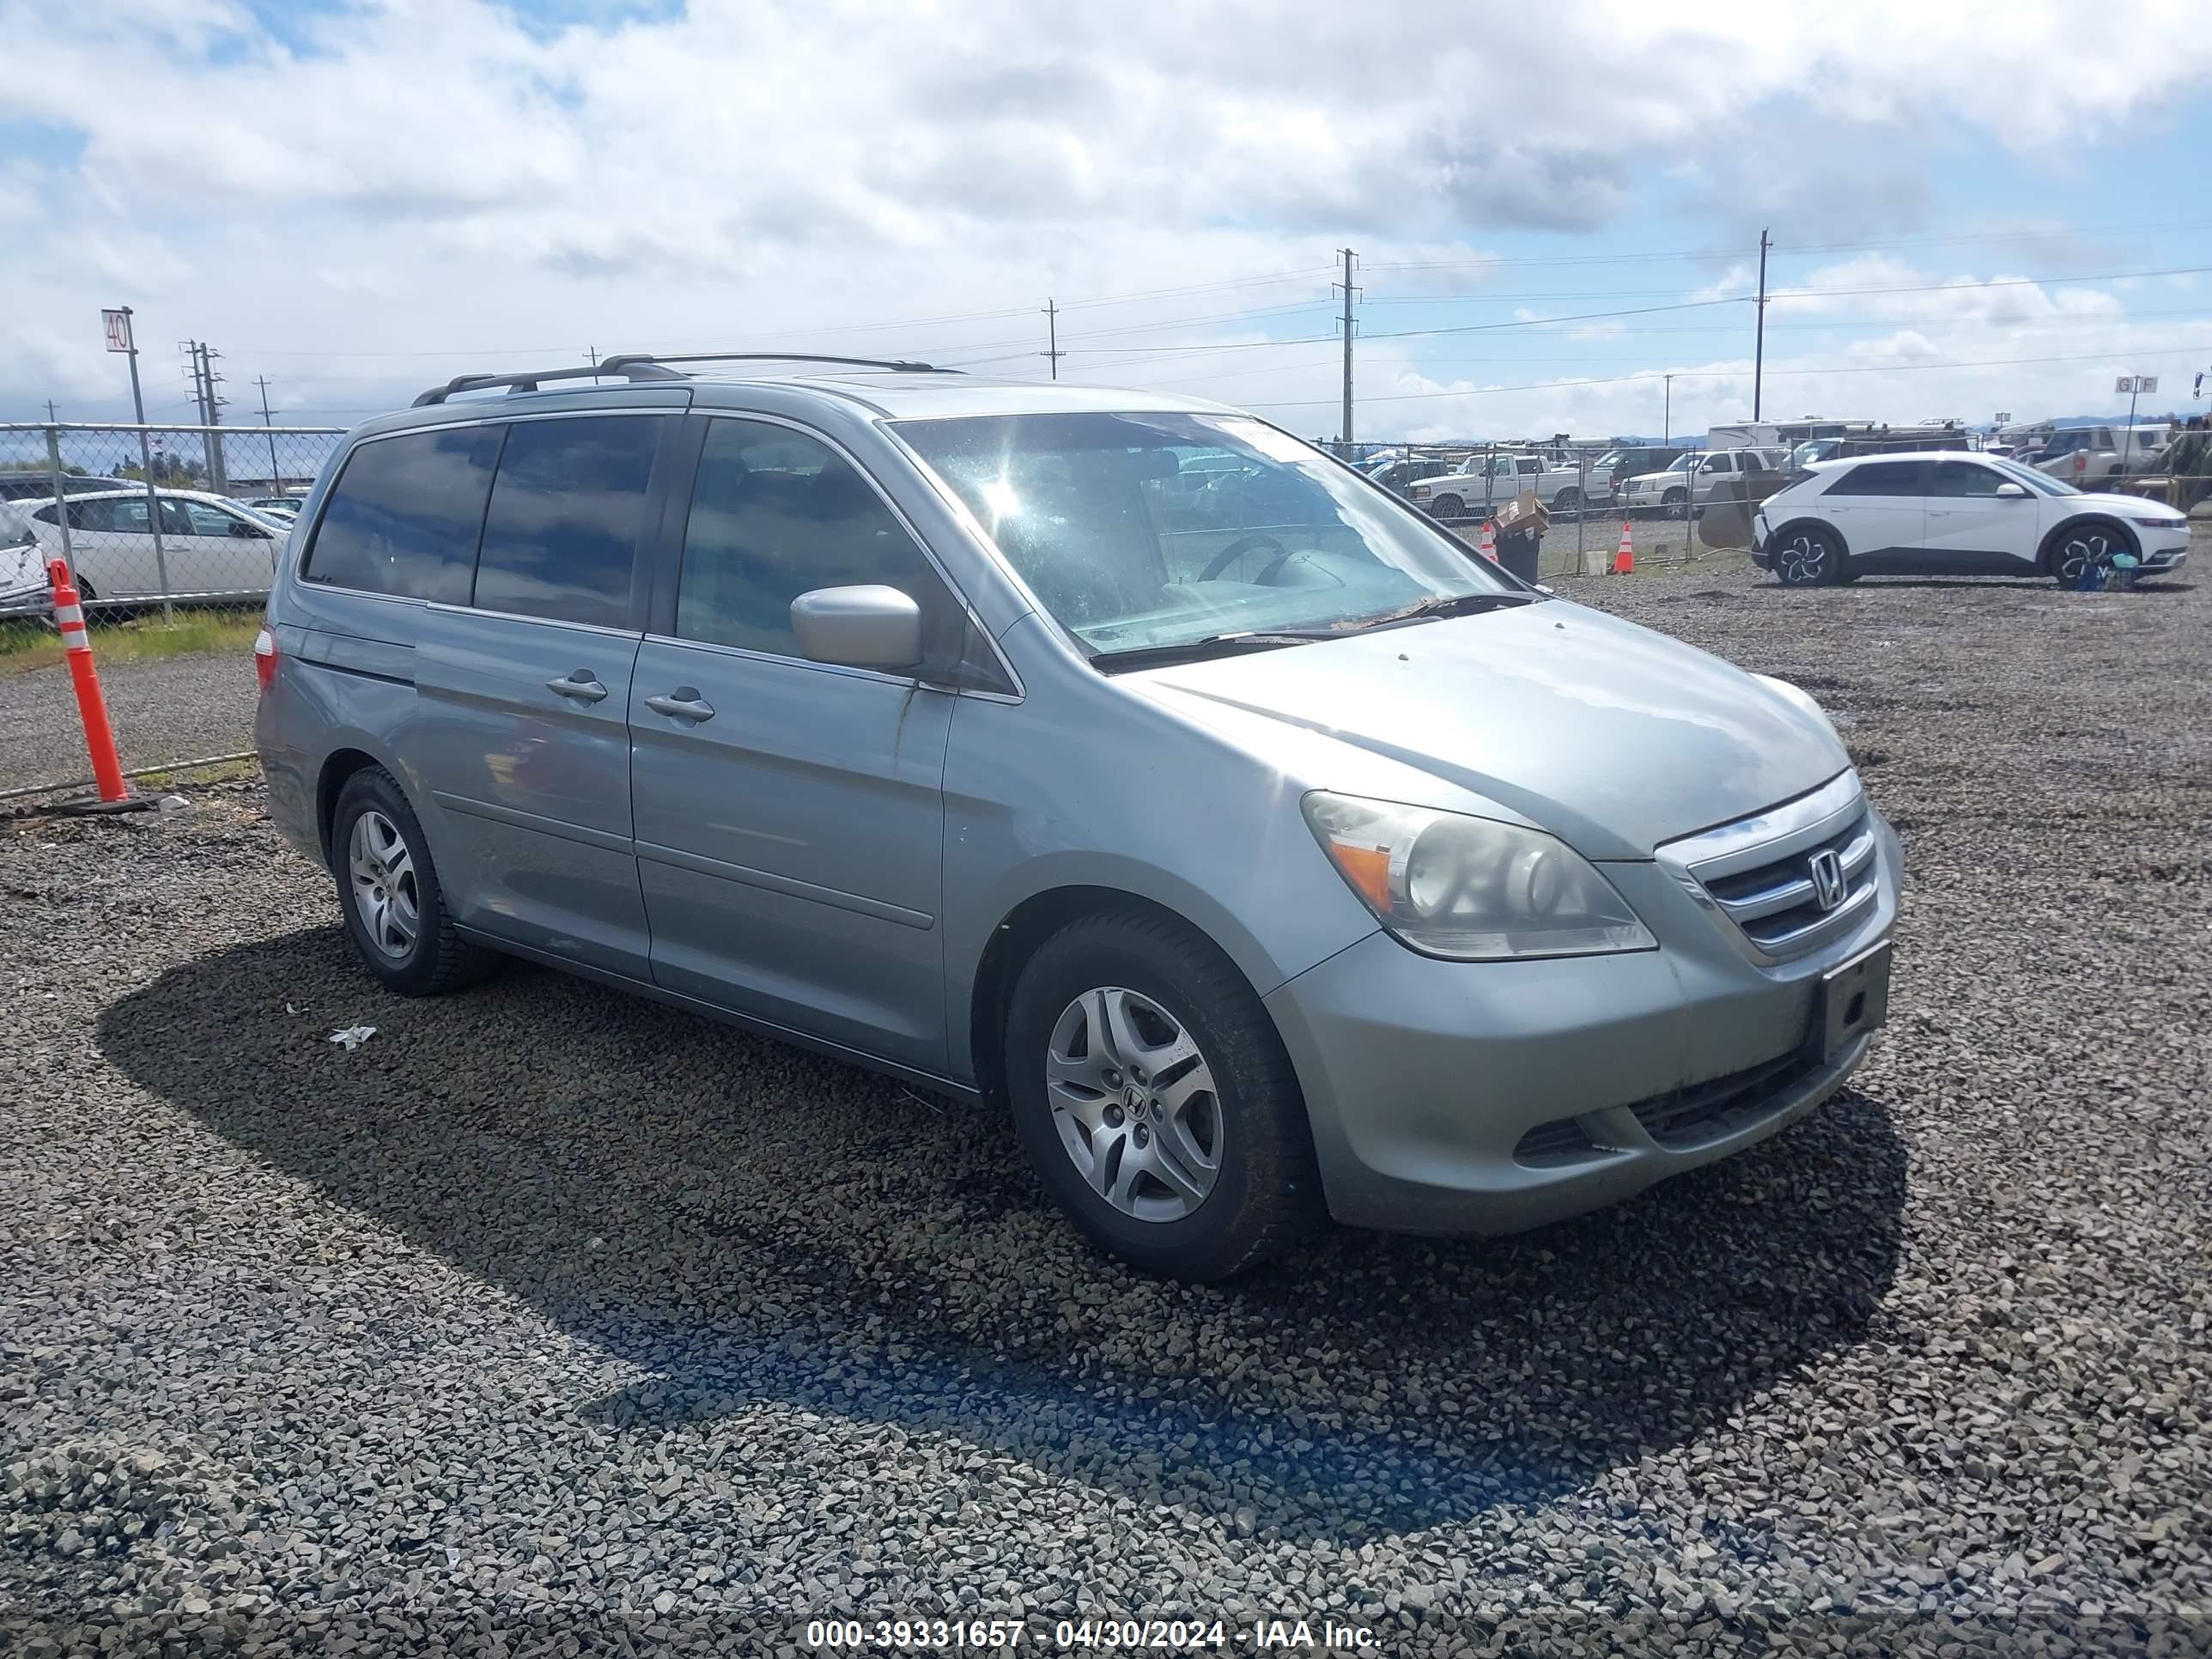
[1974, 207]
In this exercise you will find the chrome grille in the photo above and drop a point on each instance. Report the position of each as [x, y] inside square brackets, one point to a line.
[1789, 879]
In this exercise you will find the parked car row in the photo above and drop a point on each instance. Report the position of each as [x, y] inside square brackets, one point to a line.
[210, 548]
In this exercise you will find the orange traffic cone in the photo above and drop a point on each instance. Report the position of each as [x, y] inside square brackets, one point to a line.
[1624, 561]
[1487, 544]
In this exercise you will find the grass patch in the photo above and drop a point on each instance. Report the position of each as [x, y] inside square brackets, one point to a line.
[25, 646]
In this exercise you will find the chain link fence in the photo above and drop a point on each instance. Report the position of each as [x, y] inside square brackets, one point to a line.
[149, 519]
[1585, 489]
[172, 534]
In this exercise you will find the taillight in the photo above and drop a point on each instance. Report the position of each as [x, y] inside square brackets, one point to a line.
[265, 658]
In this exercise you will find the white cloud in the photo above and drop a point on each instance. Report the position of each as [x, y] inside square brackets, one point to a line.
[424, 175]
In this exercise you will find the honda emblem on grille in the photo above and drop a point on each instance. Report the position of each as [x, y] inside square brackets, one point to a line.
[1828, 872]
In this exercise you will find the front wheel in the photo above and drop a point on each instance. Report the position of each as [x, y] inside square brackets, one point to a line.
[1805, 557]
[1155, 1100]
[1569, 500]
[2078, 546]
[1674, 499]
[1447, 507]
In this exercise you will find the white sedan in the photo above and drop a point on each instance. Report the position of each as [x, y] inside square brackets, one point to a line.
[1944, 513]
[210, 548]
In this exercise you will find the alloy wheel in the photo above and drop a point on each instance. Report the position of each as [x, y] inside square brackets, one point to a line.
[1802, 560]
[2080, 549]
[384, 887]
[1135, 1104]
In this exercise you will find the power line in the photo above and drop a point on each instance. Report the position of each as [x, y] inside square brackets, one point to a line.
[1738, 373]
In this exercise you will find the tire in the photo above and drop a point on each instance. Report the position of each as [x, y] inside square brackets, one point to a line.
[2071, 545]
[1806, 556]
[88, 597]
[1569, 500]
[395, 911]
[1148, 987]
[1674, 498]
[1447, 507]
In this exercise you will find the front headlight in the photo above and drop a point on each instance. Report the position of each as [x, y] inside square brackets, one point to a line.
[1470, 888]
[2174, 522]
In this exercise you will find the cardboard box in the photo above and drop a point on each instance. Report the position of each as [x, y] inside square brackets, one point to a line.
[1523, 513]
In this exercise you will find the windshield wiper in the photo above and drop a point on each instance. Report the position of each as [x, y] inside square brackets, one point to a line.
[1454, 604]
[1212, 645]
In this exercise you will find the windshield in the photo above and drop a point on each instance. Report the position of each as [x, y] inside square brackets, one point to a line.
[2042, 482]
[1686, 463]
[1143, 531]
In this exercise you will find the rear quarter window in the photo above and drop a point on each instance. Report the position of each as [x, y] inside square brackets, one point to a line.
[404, 517]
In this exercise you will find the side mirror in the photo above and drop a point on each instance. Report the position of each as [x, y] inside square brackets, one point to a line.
[870, 626]
[2012, 492]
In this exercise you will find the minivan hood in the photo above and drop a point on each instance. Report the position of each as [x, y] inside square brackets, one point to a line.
[1612, 736]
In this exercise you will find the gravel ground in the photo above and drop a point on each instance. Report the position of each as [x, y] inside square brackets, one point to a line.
[163, 709]
[557, 1314]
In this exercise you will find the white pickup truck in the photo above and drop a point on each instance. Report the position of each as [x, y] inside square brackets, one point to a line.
[1484, 484]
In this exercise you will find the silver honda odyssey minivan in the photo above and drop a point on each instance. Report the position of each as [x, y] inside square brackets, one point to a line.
[1119, 759]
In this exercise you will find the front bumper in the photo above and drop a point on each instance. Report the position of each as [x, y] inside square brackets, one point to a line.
[2163, 551]
[1434, 1088]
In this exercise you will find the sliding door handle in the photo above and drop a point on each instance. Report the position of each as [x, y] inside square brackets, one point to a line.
[582, 686]
[684, 703]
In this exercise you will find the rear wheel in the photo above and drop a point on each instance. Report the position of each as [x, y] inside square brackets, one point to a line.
[1155, 1100]
[388, 888]
[1807, 556]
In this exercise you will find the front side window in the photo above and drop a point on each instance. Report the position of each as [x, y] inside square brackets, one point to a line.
[1962, 478]
[1088, 510]
[402, 518]
[2042, 482]
[202, 519]
[775, 513]
[561, 535]
[1878, 478]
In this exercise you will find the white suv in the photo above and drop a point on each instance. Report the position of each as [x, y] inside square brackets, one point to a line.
[1943, 513]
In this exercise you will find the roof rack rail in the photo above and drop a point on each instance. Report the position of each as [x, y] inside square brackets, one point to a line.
[632, 369]
[636, 359]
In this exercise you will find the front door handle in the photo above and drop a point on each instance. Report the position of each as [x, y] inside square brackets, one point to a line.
[684, 703]
[582, 686]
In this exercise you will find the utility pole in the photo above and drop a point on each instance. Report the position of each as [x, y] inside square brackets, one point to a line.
[1667, 414]
[191, 350]
[146, 468]
[594, 352]
[1759, 352]
[275, 483]
[218, 470]
[1343, 439]
[51, 416]
[1053, 354]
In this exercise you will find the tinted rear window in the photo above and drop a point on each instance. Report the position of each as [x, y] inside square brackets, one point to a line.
[404, 515]
[561, 537]
[1878, 478]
